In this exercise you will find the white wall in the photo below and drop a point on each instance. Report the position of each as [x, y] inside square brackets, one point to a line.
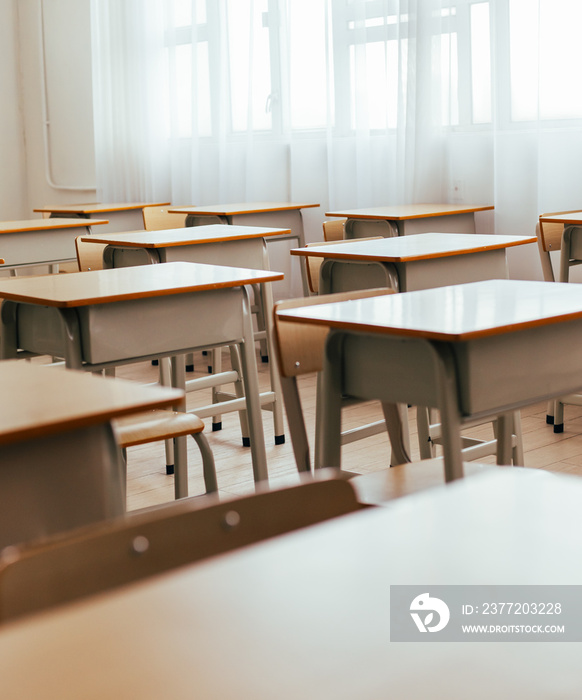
[58, 161]
[12, 168]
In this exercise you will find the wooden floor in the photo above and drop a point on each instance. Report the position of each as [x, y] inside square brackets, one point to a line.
[148, 483]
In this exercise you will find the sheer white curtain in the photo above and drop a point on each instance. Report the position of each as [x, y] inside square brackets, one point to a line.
[228, 100]
[343, 102]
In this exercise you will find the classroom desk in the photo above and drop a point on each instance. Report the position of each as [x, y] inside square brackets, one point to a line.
[106, 318]
[472, 350]
[241, 246]
[121, 216]
[405, 219]
[308, 614]
[60, 464]
[408, 263]
[286, 215]
[41, 241]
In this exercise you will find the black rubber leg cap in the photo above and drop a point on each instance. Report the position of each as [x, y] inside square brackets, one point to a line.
[205, 352]
[279, 439]
[264, 358]
[246, 442]
[216, 426]
[550, 420]
[169, 468]
[209, 369]
[559, 428]
[189, 368]
[155, 363]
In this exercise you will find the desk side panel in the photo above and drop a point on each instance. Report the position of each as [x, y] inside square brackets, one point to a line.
[452, 269]
[515, 369]
[124, 330]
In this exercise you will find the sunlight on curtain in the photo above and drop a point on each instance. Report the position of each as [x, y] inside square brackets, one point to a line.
[343, 102]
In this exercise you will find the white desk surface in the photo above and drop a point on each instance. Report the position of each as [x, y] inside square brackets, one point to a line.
[409, 211]
[455, 313]
[191, 235]
[97, 207]
[117, 284]
[40, 401]
[420, 246]
[46, 224]
[307, 614]
[240, 208]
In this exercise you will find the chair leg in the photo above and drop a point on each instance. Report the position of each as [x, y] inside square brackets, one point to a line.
[216, 369]
[299, 440]
[425, 444]
[259, 311]
[397, 425]
[518, 456]
[165, 369]
[504, 438]
[239, 393]
[558, 416]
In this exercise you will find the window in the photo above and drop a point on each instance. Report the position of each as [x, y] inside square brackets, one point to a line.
[340, 63]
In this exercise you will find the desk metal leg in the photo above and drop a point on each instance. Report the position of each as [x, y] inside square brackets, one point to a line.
[331, 394]
[251, 384]
[180, 443]
[449, 410]
[73, 357]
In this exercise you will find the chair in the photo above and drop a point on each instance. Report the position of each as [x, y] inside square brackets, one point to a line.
[313, 263]
[300, 351]
[103, 556]
[549, 237]
[334, 230]
[159, 218]
[158, 425]
[89, 255]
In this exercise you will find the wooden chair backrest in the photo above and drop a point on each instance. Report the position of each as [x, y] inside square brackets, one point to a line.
[299, 346]
[313, 263]
[159, 219]
[334, 230]
[89, 255]
[550, 234]
[100, 557]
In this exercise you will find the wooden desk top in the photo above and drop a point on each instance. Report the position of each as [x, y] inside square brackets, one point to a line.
[241, 208]
[308, 614]
[190, 235]
[456, 313]
[409, 211]
[39, 401]
[118, 284]
[571, 218]
[46, 224]
[421, 246]
[97, 207]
